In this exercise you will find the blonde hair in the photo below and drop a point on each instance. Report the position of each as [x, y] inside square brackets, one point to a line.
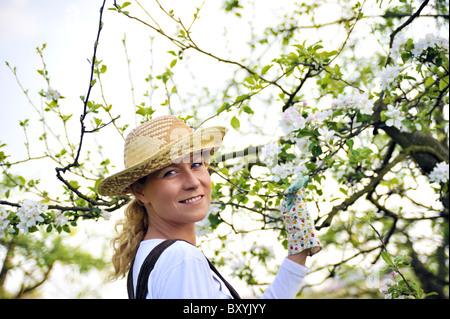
[126, 244]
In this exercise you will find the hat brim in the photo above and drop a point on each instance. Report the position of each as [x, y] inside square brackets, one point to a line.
[206, 140]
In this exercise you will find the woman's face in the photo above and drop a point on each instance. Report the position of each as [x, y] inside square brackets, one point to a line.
[179, 193]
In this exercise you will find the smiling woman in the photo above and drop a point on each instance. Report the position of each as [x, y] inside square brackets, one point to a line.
[165, 171]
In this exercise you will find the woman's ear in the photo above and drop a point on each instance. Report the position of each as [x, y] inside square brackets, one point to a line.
[137, 191]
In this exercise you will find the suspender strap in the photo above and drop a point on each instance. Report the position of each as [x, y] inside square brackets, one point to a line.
[146, 269]
[149, 264]
[233, 292]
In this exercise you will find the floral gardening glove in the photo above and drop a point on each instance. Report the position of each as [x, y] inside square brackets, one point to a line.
[298, 222]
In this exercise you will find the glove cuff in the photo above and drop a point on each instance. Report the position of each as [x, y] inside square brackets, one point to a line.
[304, 239]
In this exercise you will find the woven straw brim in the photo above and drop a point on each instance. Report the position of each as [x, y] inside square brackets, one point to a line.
[206, 140]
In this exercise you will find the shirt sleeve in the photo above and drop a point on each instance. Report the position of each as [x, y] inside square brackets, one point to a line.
[184, 274]
[287, 282]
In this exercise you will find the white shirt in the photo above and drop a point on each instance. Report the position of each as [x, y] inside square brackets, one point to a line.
[182, 272]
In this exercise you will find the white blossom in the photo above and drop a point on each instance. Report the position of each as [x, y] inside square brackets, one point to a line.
[387, 283]
[292, 120]
[30, 213]
[270, 153]
[356, 101]
[389, 76]
[4, 221]
[60, 219]
[396, 48]
[365, 105]
[284, 170]
[430, 41]
[214, 209]
[325, 134]
[106, 215]
[440, 173]
[202, 228]
[52, 94]
[321, 116]
[395, 116]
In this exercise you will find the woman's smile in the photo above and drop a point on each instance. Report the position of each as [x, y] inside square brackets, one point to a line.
[193, 200]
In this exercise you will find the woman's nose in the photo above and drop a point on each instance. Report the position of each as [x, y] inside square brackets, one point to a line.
[190, 180]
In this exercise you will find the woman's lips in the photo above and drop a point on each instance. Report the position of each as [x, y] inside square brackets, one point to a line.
[192, 200]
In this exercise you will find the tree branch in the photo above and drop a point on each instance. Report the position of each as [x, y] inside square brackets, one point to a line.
[86, 99]
[374, 181]
[407, 22]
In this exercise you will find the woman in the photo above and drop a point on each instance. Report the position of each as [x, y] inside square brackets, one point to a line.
[165, 171]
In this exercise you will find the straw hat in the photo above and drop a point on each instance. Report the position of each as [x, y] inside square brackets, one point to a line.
[156, 144]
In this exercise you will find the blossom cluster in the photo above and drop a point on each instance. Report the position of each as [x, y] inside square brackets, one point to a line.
[30, 213]
[105, 214]
[4, 222]
[395, 117]
[316, 123]
[388, 287]
[293, 119]
[429, 41]
[440, 173]
[391, 74]
[52, 94]
[284, 170]
[391, 290]
[60, 219]
[356, 102]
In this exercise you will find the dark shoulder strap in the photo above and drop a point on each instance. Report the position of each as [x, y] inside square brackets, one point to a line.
[144, 273]
[149, 264]
[233, 292]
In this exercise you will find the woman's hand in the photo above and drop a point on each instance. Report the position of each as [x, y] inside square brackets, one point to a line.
[301, 233]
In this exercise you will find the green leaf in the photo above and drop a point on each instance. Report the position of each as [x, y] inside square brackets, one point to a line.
[223, 107]
[350, 143]
[98, 122]
[443, 83]
[265, 69]
[387, 257]
[241, 98]
[173, 63]
[429, 81]
[235, 123]
[21, 180]
[247, 109]
[214, 220]
[250, 80]
[66, 228]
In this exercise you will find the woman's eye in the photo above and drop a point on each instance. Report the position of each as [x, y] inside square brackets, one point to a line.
[169, 173]
[197, 164]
